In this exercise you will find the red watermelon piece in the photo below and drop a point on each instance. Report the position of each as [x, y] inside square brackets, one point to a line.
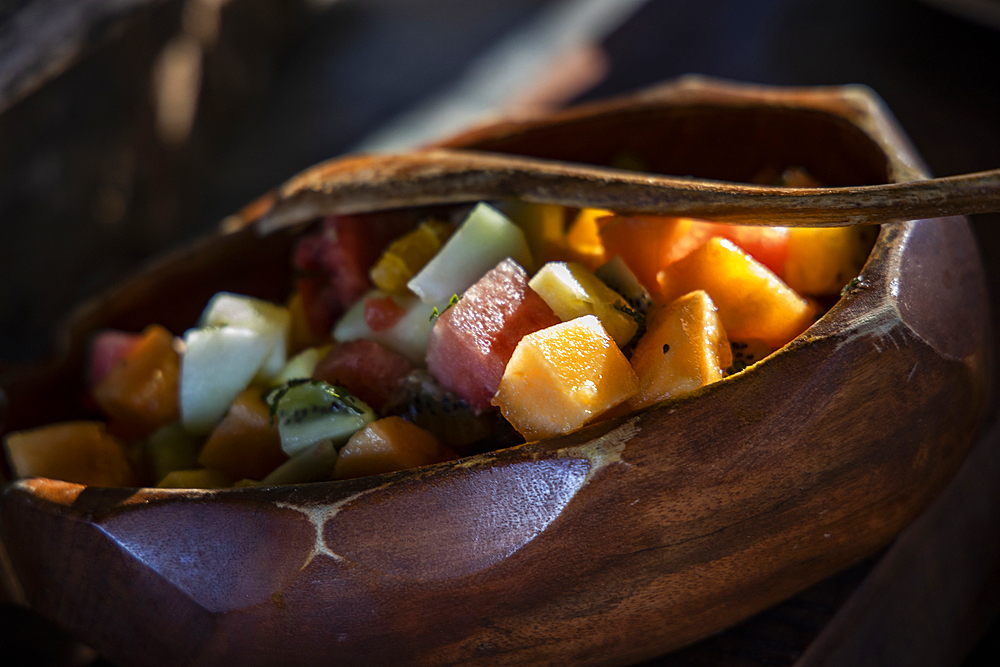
[334, 262]
[368, 370]
[472, 341]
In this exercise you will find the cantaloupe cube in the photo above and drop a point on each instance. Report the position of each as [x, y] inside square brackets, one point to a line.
[140, 392]
[244, 444]
[386, 445]
[563, 376]
[752, 301]
[572, 291]
[684, 348]
[82, 452]
[644, 242]
[822, 260]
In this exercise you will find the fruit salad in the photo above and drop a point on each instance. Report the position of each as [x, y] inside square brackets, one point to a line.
[411, 340]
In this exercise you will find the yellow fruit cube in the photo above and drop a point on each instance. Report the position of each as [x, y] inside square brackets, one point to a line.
[572, 291]
[822, 260]
[684, 348]
[562, 377]
[583, 238]
[544, 227]
[753, 302]
[407, 255]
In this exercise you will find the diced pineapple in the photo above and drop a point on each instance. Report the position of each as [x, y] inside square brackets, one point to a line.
[82, 452]
[684, 348]
[485, 238]
[301, 365]
[386, 445]
[563, 377]
[572, 291]
[408, 254]
[645, 243]
[584, 239]
[244, 444]
[822, 260]
[753, 302]
[544, 227]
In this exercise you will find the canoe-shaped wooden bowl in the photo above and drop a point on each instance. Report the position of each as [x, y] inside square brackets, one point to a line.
[610, 545]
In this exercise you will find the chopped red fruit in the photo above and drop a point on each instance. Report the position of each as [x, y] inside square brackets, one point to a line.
[335, 262]
[473, 340]
[107, 350]
[382, 313]
[368, 370]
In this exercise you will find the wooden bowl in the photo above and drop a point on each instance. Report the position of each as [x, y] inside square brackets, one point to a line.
[613, 544]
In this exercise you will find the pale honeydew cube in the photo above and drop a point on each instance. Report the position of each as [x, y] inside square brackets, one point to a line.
[217, 364]
[485, 239]
[408, 336]
[300, 366]
[270, 320]
[571, 290]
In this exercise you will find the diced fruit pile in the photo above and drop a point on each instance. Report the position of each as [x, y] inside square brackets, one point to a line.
[411, 341]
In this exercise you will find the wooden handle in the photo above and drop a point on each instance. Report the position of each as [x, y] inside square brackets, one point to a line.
[441, 176]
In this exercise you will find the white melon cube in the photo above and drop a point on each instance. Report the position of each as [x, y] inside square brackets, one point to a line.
[408, 336]
[217, 364]
[485, 239]
[273, 322]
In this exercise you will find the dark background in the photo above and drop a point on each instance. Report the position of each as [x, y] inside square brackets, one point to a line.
[89, 190]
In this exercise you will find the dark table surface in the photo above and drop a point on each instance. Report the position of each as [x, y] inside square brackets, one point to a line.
[336, 77]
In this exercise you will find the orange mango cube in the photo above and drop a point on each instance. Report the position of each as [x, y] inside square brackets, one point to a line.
[684, 348]
[82, 452]
[753, 302]
[244, 445]
[385, 445]
[140, 392]
[562, 377]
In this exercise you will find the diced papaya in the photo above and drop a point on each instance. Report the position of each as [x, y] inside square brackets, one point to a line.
[199, 478]
[684, 348]
[644, 242]
[562, 377]
[822, 260]
[753, 302]
[141, 391]
[82, 452]
[244, 444]
[386, 445]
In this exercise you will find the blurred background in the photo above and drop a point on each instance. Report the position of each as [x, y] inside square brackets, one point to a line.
[129, 127]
